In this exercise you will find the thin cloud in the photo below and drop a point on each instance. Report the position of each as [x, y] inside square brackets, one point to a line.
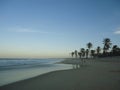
[24, 30]
[117, 31]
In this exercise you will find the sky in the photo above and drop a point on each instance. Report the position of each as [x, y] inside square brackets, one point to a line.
[54, 28]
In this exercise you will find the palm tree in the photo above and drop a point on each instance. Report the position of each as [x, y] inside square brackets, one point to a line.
[107, 43]
[72, 54]
[89, 45]
[98, 50]
[92, 53]
[115, 50]
[83, 52]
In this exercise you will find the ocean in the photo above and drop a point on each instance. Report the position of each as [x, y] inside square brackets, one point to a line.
[13, 70]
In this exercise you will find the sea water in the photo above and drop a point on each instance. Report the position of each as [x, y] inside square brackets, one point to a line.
[20, 69]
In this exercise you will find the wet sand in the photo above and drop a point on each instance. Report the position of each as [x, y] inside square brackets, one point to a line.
[93, 74]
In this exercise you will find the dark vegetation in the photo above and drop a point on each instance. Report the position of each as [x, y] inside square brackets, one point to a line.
[108, 50]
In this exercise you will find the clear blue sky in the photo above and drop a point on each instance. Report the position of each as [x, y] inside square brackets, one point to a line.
[53, 28]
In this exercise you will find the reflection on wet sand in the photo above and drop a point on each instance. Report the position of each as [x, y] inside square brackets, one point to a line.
[79, 65]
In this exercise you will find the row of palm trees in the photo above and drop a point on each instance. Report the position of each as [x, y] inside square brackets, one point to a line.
[87, 53]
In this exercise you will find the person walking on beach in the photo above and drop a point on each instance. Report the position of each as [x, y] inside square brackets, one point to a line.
[87, 52]
[80, 54]
[76, 53]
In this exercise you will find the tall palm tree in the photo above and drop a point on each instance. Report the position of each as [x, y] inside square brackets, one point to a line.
[98, 50]
[107, 43]
[89, 45]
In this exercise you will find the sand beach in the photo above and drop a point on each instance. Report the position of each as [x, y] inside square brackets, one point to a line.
[93, 74]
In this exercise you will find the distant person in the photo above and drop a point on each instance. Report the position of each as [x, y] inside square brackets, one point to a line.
[80, 54]
[87, 52]
[76, 53]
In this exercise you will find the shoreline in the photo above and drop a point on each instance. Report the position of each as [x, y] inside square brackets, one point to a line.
[99, 75]
[17, 74]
